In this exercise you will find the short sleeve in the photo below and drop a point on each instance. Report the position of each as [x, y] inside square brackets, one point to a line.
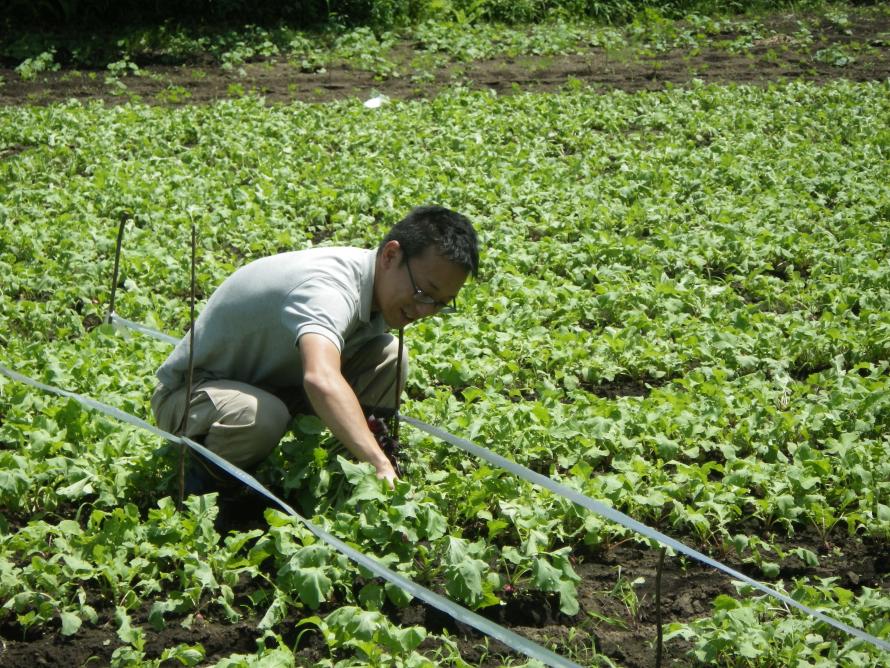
[320, 305]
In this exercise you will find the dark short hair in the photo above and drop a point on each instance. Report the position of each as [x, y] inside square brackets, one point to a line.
[449, 232]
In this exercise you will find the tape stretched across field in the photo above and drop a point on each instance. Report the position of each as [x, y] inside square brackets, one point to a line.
[630, 523]
[457, 612]
[538, 479]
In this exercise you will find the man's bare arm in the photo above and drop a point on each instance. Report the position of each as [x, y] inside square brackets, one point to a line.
[336, 405]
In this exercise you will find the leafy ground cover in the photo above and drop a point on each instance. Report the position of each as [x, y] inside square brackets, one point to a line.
[683, 312]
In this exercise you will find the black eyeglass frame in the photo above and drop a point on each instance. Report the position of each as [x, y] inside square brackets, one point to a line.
[423, 298]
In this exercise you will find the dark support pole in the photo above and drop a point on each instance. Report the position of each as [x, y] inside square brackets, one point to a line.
[398, 397]
[189, 377]
[117, 264]
[659, 642]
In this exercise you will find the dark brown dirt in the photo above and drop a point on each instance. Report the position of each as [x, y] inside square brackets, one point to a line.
[617, 618]
[778, 57]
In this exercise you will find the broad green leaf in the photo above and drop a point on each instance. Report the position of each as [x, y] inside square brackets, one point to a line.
[350, 623]
[724, 602]
[310, 425]
[397, 596]
[372, 596]
[70, 623]
[313, 585]
[275, 613]
[568, 598]
[463, 580]
[546, 576]
[125, 631]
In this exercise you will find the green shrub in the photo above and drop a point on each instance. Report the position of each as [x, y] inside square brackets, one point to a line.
[379, 13]
[612, 11]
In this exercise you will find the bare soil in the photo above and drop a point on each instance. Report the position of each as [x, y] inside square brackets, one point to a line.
[778, 57]
[617, 595]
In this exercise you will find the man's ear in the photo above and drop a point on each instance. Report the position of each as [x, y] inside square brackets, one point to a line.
[392, 252]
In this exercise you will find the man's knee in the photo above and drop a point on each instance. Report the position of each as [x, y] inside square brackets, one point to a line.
[248, 428]
[271, 419]
[167, 407]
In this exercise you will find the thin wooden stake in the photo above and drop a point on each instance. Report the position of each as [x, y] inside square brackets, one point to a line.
[188, 393]
[659, 642]
[117, 264]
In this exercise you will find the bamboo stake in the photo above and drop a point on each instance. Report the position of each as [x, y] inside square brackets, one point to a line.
[190, 375]
[659, 642]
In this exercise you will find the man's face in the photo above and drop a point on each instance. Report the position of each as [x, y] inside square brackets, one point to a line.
[402, 286]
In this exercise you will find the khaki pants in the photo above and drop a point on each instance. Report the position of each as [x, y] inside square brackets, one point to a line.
[243, 423]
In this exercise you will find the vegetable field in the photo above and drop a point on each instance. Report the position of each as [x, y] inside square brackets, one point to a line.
[683, 312]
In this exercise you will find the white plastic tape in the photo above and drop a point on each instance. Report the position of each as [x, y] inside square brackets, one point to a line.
[630, 523]
[117, 320]
[607, 512]
[506, 636]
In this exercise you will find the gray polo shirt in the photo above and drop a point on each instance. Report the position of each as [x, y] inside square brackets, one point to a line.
[250, 327]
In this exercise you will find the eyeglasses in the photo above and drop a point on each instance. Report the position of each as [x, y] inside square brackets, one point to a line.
[423, 298]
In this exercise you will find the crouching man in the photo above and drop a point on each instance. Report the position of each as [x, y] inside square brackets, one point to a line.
[306, 331]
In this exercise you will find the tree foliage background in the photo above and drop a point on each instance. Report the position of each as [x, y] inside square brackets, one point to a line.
[31, 14]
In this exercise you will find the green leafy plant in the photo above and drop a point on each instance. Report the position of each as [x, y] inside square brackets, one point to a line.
[29, 68]
[835, 55]
[683, 315]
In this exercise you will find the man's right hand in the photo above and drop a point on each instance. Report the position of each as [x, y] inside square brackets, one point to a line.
[387, 473]
[337, 406]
